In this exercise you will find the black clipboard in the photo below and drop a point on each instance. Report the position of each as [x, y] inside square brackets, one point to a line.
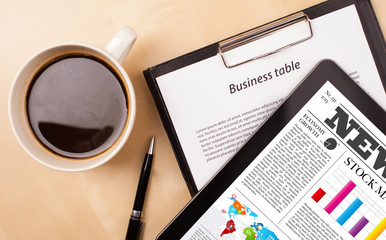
[325, 71]
[369, 23]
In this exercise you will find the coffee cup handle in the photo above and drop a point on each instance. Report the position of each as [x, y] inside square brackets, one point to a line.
[120, 45]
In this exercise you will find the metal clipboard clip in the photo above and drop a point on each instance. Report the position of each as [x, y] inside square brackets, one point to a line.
[265, 40]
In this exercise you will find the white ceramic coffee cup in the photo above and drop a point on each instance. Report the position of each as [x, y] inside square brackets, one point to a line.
[114, 55]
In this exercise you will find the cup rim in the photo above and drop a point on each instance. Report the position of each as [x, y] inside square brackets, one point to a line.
[93, 161]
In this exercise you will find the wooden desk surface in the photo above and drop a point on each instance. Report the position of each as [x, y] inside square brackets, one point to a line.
[39, 203]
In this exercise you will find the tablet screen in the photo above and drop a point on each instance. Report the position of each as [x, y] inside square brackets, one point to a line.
[316, 168]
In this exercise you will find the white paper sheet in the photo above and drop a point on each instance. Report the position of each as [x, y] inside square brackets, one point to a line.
[215, 109]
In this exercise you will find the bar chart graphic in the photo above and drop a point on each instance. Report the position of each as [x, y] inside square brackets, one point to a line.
[360, 215]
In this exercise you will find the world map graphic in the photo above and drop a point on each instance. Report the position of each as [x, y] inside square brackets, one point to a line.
[237, 213]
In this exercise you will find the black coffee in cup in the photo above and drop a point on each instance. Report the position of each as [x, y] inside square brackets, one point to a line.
[77, 106]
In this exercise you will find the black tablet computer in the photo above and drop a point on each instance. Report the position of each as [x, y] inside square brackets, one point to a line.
[315, 169]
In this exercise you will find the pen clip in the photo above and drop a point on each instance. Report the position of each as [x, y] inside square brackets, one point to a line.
[140, 231]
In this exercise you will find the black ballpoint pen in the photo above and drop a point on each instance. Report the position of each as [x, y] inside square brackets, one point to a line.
[134, 230]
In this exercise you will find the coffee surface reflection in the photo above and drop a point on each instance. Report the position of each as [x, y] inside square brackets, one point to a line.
[77, 106]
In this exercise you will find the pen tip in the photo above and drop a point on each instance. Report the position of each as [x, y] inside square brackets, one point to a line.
[151, 145]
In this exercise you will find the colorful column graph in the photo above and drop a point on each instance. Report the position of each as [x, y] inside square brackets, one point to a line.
[377, 230]
[349, 211]
[339, 197]
[359, 213]
[358, 226]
